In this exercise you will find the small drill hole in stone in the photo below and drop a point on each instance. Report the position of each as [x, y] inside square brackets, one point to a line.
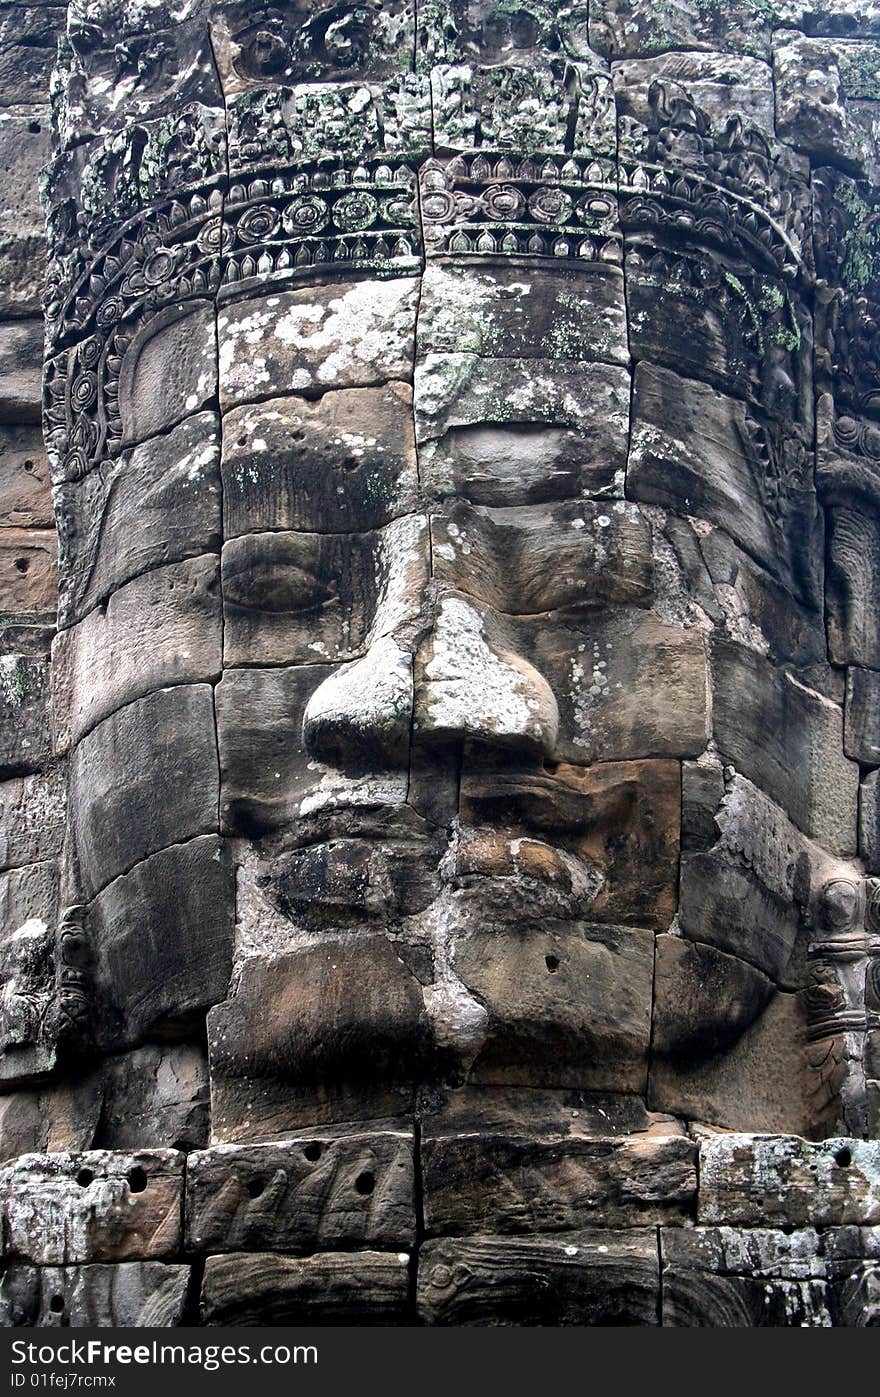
[364, 1183]
[552, 963]
[56, 1304]
[22, 564]
[312, 1152]
[29, 466]
[255, 1188]
[84, 1177]
[34, 127]
[843, 1158]
[137, 1180]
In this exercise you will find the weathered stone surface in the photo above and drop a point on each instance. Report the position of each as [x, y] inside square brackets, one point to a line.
[302, 1050]
[787, 739]
[520, 431]
[154, 504]
[745, 876]
[365, 1287]
[525, 560]
[593, 1278]
[168, 372]
[344, 335]
[344, 463]
[730, 1278]
[162, 939]
[160, 629]
[54, 1117]
[764, 1079]
[25, 741]
[821, 108]
[704, 1000]
[639, 28]
[159, 754]
[567, 1005]
[788, 1181]
[28, 570]
[869, 822]
[25, 492]
[707, 79]
[497, 311]
[32, 814]
[322, 1192]
[21, 352]
[24, 150]
[156, 1096]
[699, 452]
[298, 597]
[862, 720]
[28, 38]
[93, 1206]
[511, 1180]
[620, 817]
[131, 1295]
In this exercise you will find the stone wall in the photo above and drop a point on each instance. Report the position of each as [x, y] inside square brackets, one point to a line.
[492, 935]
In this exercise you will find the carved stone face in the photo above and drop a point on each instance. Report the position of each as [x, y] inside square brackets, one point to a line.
[437, 505]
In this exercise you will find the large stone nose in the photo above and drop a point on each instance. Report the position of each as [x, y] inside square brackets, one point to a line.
[471, 683]
[361, 716]
[465, 683]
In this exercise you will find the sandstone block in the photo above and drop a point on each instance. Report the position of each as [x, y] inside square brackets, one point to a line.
[160, 629]
[159, 754]
[93, 1206]
[130, 1295]
[154, 504]
[581, 1278]
[785, 1180]
[327, 1191]
[343, 335]
[360, 1288]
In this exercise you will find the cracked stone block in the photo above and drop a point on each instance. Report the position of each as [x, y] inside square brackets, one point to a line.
[54, 1117]
[25, 740]
[500, 311]
[597, 1277]
[520, 431]
[343, 464]
[789, 740]
[32, 818]
[157, 1095]
[302, 1050]
[322, 1191]
[510, 1178]
[152, 505]
[788, 1181]
[169, 371]
[29, 571]
[763, 1078]
[862, 716]
[698, 452]
[93, 1206]
[130, 1295]
[161, 937]
[362, 1288]
[21, 357]
[317, 339]
[25, 488]
[158, 753]
[24, 151]
[828, 100]
[160, 629]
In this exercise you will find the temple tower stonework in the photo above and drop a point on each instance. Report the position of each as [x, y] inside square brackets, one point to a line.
[440, 805]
